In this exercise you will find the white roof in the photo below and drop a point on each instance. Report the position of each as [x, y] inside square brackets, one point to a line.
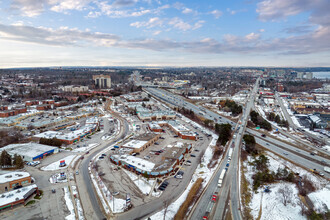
[135, 144]
[47, 134]
[27, 149]
[4, 178]
[12, 196]
[142, 164]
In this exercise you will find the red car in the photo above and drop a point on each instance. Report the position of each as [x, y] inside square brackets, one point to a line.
[214, 198]
[157, 153]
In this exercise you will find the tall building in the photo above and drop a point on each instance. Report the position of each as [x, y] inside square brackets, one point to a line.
[102, 81]
[300, 75]
[309, 75]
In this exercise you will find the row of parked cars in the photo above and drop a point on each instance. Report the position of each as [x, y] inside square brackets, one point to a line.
[163, 186]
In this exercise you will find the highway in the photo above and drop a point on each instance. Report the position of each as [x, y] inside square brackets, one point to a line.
[316, 162]
[298, 157]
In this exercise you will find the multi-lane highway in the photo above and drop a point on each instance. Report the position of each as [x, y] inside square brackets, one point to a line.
[300, 157]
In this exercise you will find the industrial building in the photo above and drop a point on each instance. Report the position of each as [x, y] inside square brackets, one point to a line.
[102, 81]
[30, 151]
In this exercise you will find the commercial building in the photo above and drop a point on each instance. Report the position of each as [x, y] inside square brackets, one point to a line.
[72, 88]
[17, 197]
[141, 142]
[102, 81]
[12, 180]
[13, 112]
[72, 136]
[30, 151]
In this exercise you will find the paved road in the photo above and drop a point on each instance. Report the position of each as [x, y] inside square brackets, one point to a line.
[86, 179]
[318, 159]
[297, 157]
[292, 125]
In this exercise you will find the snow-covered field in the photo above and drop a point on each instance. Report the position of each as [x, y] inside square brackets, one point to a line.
[142, 183]
[87, 148]
[321, 199]
[69, 204]
[56, 165]
[271, 204]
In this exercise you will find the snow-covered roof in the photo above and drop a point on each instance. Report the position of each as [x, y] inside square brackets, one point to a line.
[19, 194]
[4, 178]
[135, 144]
[27, 149]
[142, 164]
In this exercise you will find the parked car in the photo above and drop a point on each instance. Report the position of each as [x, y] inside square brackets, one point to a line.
[104, 155]
[77, 172]
[192, 155]
[157, 153]
[87, 152]
[156, 143]
[53, 191]
[101, 157]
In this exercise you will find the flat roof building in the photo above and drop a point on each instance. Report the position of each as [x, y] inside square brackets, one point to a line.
[30, 151]
[11, 180]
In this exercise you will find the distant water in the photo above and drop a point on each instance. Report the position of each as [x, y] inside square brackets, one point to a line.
[321, 75]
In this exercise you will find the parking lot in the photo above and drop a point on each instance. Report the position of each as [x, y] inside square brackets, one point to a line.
[117, 179]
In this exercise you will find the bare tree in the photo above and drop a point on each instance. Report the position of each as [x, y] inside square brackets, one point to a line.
[286, 194]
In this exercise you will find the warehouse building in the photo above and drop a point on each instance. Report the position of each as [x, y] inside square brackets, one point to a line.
[30, 151]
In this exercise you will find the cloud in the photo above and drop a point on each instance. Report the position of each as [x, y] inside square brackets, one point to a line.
[279, 9]
[156, 33]
[124, 3]
[251, 43]
[252, 36]
[187, 11]
[217, 14]
[32, 8]
[63, 36]
[152, 22]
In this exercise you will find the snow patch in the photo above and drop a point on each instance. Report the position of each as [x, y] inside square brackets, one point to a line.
[56, 165]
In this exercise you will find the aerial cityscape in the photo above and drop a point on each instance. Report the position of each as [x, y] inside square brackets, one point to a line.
[161, 110]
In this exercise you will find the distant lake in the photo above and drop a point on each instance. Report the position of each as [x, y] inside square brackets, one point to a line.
[321, 75]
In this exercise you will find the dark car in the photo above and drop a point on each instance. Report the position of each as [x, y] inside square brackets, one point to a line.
[227, 165]
[180, 172]
[161, 188]
[263, 135]
[53, 191]
[193, 155]
[87, 152]
[104, 155]
[188, 161]
[156, 143]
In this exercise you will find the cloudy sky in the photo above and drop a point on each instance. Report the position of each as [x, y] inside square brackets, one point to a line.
[35, 33]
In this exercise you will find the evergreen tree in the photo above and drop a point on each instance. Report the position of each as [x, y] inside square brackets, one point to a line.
[5, 159]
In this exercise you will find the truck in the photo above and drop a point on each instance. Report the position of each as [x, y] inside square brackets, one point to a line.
[222, 175]
[230, 152]
[327, 169]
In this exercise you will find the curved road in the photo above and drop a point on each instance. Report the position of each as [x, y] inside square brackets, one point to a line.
[87, 179]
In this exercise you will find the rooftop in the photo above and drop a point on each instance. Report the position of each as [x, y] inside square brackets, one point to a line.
[27, 149]
[4, 178]
[19, 194]
[135, 144]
